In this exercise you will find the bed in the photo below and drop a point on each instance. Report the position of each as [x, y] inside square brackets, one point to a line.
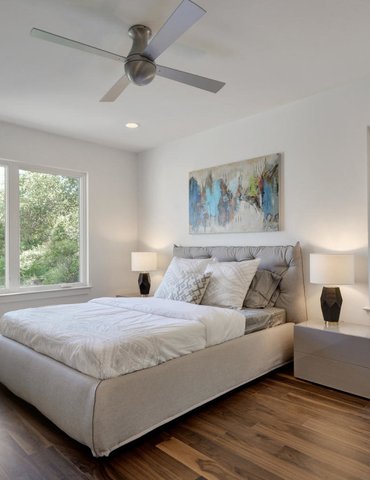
[106, 413]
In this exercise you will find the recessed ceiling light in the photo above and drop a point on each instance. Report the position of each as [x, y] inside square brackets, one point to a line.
[132, 125]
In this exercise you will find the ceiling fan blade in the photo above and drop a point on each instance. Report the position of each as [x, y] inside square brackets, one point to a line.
[67, 42]
[185, 15]
[190, 79]
[116, 90]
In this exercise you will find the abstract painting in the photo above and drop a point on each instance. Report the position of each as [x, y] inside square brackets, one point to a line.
[236, 197]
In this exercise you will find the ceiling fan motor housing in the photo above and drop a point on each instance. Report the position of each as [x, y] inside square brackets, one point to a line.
[139, 69]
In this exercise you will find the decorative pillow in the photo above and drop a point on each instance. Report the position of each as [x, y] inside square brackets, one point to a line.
[274, 298]
[190, 288]
[229, 283]
[176, 271]
[263, 286]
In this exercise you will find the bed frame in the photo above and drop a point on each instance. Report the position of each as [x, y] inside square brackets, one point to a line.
[106, 414]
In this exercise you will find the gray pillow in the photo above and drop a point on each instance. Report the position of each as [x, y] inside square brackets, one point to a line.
[263, 287]
[274, 298]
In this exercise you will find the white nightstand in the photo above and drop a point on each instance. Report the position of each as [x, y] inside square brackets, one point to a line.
[337, 355]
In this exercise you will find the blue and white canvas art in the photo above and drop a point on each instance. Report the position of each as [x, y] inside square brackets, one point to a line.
[236, 197]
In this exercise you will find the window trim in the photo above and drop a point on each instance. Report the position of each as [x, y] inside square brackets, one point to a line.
[12, 232]
[15, 297]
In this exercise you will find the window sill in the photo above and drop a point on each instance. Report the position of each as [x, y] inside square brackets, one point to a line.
[12, 297]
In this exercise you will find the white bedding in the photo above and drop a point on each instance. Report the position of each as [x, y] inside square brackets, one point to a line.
[108, 337]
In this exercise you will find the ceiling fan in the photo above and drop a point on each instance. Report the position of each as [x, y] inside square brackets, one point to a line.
[140, 66]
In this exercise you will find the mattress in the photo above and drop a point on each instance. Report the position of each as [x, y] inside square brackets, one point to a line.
[261, 318]
[108, 337]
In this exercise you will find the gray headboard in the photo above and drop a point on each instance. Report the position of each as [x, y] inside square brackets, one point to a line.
[285, 260]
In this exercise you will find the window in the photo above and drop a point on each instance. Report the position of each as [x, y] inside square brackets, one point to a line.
[42, 228]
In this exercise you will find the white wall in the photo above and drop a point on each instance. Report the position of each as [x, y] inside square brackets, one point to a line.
[324, 188]
[112, 204]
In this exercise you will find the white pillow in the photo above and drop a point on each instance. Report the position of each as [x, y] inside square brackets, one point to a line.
[229, 283]
[176, 271]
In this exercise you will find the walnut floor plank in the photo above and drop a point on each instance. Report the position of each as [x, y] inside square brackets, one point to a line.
[276, 428]
[349, 467]
[244, 444]
[195, 460]
[335, 433]
[227, 456]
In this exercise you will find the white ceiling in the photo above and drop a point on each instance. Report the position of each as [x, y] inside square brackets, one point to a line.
[269, 53]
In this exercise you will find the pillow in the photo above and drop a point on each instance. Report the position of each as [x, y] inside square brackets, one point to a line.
[176, 271]
[263, 286]
[190, 288]
[274, 298]
[229, 283]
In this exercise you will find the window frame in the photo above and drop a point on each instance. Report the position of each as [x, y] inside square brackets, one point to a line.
[12, 231]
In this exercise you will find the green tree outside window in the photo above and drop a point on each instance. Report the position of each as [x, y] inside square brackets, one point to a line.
[49, 228]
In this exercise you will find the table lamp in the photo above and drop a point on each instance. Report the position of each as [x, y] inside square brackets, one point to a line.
[144, 262]
[331, 270]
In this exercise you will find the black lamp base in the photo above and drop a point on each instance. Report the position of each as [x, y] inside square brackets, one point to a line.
[144, 283]
[331, 303]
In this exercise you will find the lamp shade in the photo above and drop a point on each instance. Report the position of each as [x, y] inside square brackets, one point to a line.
[332, 269]
[143, 261]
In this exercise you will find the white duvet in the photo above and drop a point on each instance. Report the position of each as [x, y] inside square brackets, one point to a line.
[108, 337]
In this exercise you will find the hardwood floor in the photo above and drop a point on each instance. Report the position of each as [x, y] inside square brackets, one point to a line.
[275, 428]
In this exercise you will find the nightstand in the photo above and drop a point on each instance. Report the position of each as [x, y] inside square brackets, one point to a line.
[334, 355]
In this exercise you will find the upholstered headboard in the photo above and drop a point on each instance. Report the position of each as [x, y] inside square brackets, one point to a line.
[285, 260]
